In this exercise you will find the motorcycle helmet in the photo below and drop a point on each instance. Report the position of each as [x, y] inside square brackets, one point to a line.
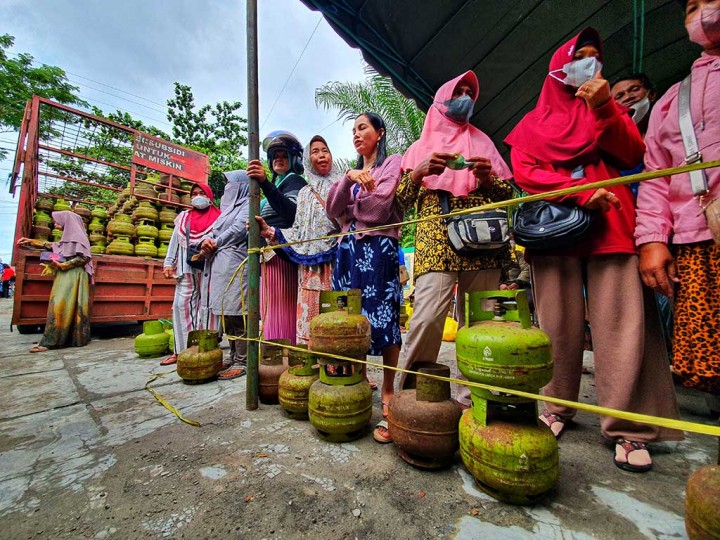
[284, 140]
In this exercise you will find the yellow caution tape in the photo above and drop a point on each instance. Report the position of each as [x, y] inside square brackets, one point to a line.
[622, 180]
[164, 403]
[595, 409]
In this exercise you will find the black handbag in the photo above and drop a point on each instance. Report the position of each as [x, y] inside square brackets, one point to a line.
[192, 250]
[476, 233]
[545, 225]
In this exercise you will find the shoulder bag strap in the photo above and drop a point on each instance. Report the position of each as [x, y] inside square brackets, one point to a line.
[444, 201]
[322, 203]
[698, 179]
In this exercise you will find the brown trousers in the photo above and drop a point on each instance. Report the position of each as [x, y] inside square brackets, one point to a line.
[433, 293]
[628, 375]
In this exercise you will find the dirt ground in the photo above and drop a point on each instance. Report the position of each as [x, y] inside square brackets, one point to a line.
[87, 452]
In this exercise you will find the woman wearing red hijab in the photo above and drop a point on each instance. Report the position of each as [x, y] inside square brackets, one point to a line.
[576, 135]
[191, 226]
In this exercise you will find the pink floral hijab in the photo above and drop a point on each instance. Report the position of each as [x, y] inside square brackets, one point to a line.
[441, 134]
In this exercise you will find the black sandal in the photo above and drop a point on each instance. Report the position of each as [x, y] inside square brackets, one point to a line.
[629, 447]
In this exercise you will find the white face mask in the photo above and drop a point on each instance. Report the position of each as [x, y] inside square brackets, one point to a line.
[640, 110]
[200, 202]
[579, 71]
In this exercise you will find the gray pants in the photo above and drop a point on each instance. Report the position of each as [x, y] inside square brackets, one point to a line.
[433, 293]
[238, 348]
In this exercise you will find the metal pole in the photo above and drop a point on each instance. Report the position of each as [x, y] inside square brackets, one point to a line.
[253, 264]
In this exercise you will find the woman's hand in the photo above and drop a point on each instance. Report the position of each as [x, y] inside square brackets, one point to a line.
[435, 164]
[602, 199]
[266, 231]
[482, 169]
[362, 178]
[256, 171]
[208, 246]
[657, 268]
[169, 272]
[595, 92]
[59, 266]
[24, 241]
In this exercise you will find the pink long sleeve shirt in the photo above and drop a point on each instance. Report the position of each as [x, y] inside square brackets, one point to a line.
[369, 209]
[665, 206]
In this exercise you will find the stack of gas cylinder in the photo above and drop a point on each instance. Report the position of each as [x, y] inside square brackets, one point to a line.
[512, 455]
[340, 401]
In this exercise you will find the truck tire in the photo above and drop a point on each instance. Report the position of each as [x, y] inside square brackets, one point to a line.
[29, 328]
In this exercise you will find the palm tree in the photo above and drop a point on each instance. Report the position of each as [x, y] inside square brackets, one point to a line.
[402, 117]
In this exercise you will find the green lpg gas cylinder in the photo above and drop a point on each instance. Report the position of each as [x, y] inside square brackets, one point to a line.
[295, 382]
[516, 463]
[146, 247]
[202, 360]
[121, 226]
[163, 249]
[500, 346]
[153, 341]
[61, 205]
[340, 406]
[120, 246]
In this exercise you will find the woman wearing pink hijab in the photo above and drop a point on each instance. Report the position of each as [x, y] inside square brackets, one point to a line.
[68, 318]
[437, 267]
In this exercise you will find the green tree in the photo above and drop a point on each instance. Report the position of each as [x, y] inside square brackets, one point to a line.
[219, 131]
[403, 119]
[19, 80]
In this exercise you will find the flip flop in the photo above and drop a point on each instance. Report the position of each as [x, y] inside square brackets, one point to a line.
[550, 420]
[231, 373]
[625, 447]
[38, 348]
[172, 359]
[381, 433]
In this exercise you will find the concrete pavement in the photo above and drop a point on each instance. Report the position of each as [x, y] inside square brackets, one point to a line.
[87, 452]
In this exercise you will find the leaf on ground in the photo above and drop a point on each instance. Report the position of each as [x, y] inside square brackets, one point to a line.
[262, 454]
[474, 511]
[249, 498]
[421, 494]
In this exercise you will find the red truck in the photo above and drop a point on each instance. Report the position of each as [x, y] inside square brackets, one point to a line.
[64, 153]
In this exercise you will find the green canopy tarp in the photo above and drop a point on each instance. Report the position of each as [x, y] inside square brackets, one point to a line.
[421, 44]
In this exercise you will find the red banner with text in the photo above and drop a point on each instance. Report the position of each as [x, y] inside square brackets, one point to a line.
[170, 158]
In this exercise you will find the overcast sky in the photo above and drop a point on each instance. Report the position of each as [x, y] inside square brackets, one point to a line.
[142, 47]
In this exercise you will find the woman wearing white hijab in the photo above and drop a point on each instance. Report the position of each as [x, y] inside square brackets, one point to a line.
[315, 258]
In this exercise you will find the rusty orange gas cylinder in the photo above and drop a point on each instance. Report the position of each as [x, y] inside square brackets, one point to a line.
[423, 421]
[271, 366]
[202, 360]
[702, 504]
